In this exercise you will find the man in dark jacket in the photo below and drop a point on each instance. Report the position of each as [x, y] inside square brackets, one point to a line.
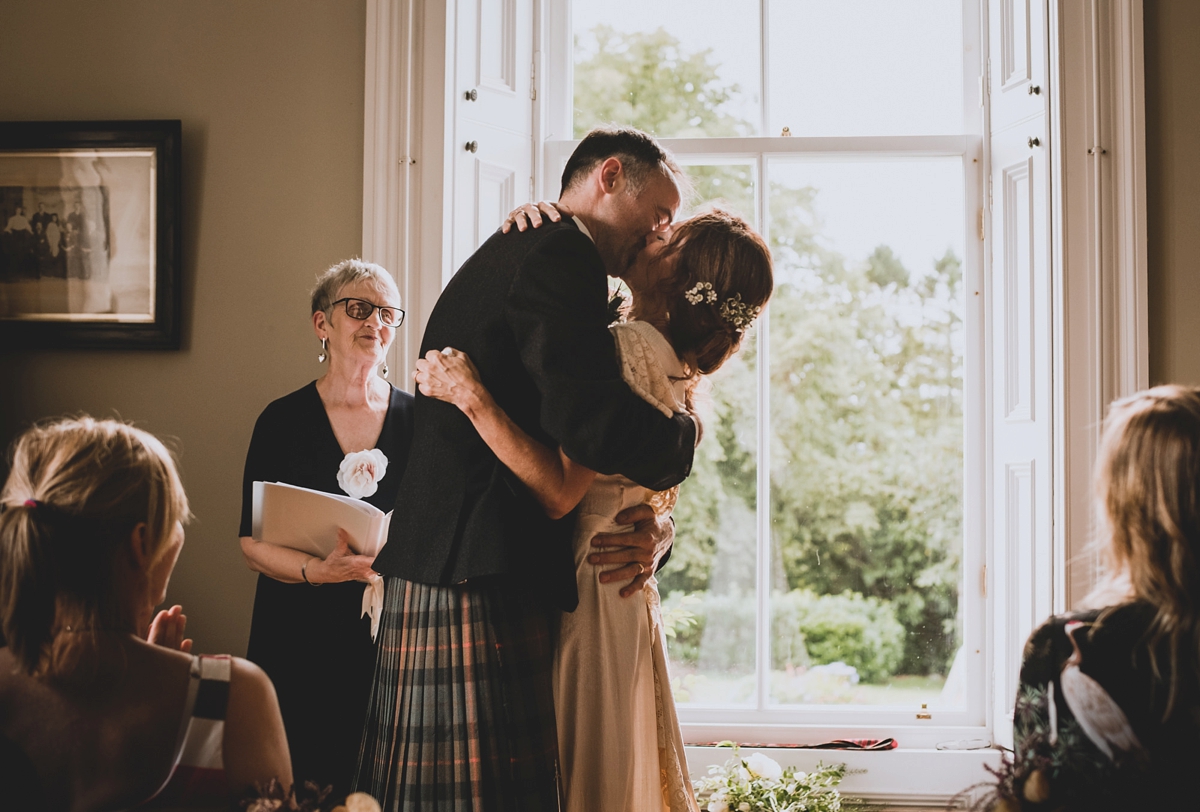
[462, 709]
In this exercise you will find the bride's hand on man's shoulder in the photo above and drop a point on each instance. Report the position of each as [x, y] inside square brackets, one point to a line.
[448, 375]
[531, 214]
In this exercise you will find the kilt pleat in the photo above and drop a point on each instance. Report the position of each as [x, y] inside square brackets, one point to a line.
[461, 714]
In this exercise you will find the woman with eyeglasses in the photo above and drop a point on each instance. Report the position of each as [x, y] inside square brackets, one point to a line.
[308, 631]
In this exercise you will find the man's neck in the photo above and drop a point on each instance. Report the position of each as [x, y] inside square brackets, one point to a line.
[585, 211]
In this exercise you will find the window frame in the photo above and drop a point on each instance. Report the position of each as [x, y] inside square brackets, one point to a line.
[798, 724]
[1095, 97]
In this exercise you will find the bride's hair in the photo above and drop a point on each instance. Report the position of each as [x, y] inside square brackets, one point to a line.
[723, 278]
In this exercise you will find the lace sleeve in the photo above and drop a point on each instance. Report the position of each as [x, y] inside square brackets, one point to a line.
[642, 367]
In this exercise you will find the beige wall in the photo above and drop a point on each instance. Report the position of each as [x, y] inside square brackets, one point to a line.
[1173, 188]
[270, 93]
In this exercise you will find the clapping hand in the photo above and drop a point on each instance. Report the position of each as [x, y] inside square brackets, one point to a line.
[166, 630]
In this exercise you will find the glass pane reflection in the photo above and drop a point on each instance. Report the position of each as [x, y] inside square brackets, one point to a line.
[665, 68]
[866, 385]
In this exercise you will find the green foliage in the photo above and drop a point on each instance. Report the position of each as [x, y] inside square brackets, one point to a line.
[861, 632]
[866, 387]
[644, 80]
[806, 629]
[759, 784]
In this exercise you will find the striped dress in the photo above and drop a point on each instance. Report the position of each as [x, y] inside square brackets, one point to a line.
[199, 772]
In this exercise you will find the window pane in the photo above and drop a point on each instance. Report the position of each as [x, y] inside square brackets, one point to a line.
[866, 377]
[865, 67]
[728, 184]
[665, 67]
[708, 585]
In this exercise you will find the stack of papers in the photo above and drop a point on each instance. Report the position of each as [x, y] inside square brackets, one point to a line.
[308, 520]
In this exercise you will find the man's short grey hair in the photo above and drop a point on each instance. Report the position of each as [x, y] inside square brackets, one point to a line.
[347, 272]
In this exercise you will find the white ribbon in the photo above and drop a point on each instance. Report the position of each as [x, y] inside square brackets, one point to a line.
[372, 602]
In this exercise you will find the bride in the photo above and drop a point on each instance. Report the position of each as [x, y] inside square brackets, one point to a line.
[696, 289]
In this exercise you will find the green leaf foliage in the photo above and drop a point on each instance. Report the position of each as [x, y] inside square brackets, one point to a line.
[866, 404]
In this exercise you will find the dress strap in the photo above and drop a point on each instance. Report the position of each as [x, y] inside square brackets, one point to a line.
[199, 768]
[189, 705]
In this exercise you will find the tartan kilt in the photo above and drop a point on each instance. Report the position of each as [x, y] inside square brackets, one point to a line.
[461, 714]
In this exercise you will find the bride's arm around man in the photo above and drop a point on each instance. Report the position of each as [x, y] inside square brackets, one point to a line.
[462, 706]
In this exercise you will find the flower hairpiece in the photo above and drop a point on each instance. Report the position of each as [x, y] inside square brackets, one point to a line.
[701, 292]
[737, 313]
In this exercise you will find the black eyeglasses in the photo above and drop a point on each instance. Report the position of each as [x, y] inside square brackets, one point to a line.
[361, 310]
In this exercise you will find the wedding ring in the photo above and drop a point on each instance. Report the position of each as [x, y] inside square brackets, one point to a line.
[447, 351]
[641, 567]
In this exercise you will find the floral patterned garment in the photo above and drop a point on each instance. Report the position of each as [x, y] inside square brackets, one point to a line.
[1059, 760]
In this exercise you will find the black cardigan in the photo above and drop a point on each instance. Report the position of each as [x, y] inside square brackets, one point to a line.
[530, 309]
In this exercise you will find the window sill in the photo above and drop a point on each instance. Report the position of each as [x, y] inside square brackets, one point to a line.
[901, 779]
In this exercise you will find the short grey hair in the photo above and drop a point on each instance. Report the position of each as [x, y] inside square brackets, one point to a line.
[347, 272]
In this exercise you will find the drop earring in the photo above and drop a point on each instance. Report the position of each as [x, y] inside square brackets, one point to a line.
[385, 369]
[321, 356]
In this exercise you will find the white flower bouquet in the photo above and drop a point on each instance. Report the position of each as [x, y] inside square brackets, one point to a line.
[759, 784]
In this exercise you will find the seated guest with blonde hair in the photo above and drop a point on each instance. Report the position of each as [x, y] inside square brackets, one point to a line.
[101, 701]
[1108, 708]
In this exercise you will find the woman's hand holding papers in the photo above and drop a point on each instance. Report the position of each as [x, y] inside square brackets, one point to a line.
[343, 564]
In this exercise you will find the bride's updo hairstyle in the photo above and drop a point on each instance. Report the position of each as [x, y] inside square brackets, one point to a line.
[75, 491]
[1148, 500]
[723, 279]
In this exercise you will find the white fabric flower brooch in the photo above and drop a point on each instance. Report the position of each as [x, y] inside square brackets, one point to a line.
[360, 472]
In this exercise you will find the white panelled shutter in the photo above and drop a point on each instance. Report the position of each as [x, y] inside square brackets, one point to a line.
[1021, 319]
[493, 117]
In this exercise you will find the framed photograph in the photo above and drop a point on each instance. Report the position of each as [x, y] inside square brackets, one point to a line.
[89, 234]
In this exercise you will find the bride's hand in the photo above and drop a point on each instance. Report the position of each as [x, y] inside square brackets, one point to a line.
[449, 375]
[531, 215]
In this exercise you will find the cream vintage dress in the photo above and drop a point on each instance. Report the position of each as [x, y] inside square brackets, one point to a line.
[619, 740]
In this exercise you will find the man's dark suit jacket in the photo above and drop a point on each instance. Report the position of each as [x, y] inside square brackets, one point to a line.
[530, 309]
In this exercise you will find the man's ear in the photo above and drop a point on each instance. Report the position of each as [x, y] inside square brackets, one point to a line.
[139, 545]
[612, 175]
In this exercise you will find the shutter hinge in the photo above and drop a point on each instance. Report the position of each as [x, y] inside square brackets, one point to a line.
[533, 78]
[982, 225]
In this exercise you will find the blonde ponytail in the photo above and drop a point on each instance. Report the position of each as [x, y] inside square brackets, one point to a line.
[76, 489]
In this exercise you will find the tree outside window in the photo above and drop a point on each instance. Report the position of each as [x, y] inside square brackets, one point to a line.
[865, 429]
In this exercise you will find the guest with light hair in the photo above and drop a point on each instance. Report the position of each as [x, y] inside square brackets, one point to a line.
[1108, 708]
[102, 706]
[307, 631]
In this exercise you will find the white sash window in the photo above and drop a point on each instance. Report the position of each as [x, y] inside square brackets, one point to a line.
[892, 491]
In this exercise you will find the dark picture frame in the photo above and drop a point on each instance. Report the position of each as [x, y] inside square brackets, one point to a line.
[90, 223]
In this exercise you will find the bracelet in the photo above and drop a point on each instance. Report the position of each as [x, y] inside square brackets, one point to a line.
[304, 571]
